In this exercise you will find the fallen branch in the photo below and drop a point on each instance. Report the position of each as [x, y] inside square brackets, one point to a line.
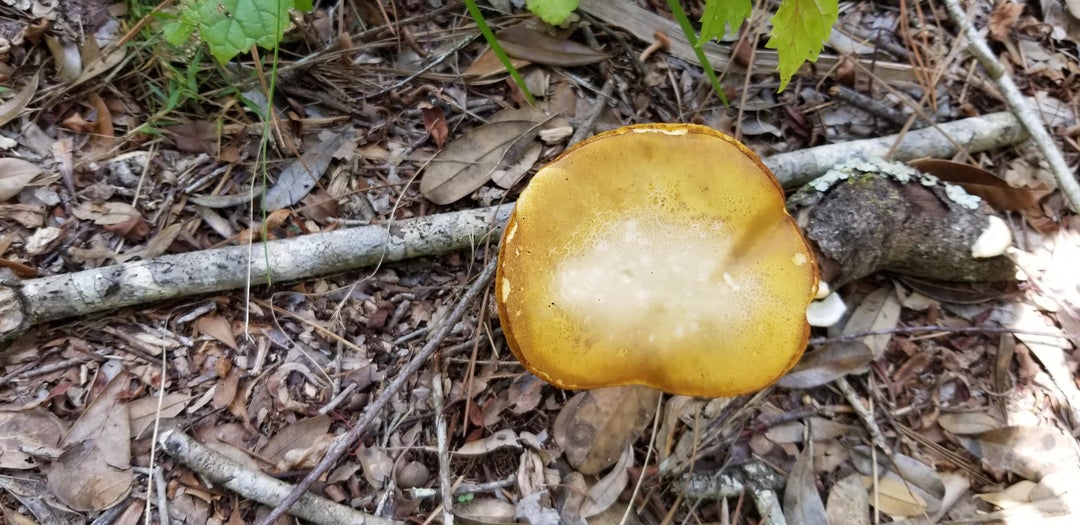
[27, 303]
[257, 486]
[1066, 179]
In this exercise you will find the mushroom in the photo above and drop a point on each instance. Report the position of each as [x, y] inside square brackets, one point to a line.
[660, 255]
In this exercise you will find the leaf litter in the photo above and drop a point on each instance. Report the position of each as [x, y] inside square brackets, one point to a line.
[270, 381]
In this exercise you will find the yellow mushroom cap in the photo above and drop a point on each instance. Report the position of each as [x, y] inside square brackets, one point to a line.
[656, 254]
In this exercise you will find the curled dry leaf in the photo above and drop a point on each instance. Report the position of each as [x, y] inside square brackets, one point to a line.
[524, 43]
[594, 427]
[299, 435]
[977, 181]
[435, 123]
[828, 364]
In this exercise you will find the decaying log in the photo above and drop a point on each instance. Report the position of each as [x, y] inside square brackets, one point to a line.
[26, 303]
[866, 217]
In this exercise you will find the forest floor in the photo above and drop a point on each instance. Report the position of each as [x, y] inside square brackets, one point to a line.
[112, 154]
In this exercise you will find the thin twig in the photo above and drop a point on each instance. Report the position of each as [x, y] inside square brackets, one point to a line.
[444, 451]
[342, 444]
[1066, 179]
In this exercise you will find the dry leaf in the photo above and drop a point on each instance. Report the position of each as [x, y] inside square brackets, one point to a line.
[962, 423]
[848, 502]
[594, 427]
[488, 65]
[15, 106]
[1029, 452]
[94, 472]
[832, 362]
[143, 411]
[299, 435]
[25, 430]
[298, 178]
[470, 160]
[605, 492]
[1013, 496]
[485, 511]
[1002, 19]
[377, 466]
[977, 181]
[802, 502]
[67, 60]
[524, 43]
[503, 438]
[508, 177]
[225, 391]
[435, 123]
[218, 327]
[879, 310]
[894, 498]
[16, 175]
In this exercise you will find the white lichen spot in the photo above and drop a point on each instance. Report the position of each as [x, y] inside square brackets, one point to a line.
[961, 197]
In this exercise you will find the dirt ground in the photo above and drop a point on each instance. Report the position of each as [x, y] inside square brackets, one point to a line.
[926, 402]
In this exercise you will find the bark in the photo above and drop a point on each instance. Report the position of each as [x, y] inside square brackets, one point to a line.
[870, 221]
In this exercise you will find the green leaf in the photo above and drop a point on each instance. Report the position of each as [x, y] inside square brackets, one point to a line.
[800, 28]
[231, 27]
[719, 14]
[553, 12]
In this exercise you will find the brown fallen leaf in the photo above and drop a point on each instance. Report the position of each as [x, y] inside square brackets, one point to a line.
[892, 497]
[832, 362]
[524, 43]
[14, 106]
[605, 492]
[299, 435]
[977, 181]
[1002, 19]
[488, 65]
[435, 123]
[802, 501]
[469, 161]
[218, 327]
[24, 430]
[16, 175]
[94, 472]
[878, 311]
[1029, 452]
[594, 427]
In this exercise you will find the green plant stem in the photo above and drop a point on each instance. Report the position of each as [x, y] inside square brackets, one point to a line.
[691, 36]
[478, 17]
